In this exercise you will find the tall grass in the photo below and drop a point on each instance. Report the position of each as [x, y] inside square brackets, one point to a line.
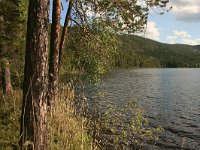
[67, 130]
[80, 123]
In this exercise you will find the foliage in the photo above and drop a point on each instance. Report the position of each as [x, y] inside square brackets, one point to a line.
[90, 55]
[118, 16]
[132, 16]
[114, 127]
[12, 35]
[92, 47]
[9, 119]
[13, 23]
[136, 51]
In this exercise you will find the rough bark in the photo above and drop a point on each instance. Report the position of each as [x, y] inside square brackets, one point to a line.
[65, 29]
[54, 53]
[6, 80]
[1, 78]
[35, 86]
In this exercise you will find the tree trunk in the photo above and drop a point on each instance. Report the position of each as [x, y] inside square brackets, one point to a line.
[35, 86]
[6, 80]
[65, 29]
[54, 53]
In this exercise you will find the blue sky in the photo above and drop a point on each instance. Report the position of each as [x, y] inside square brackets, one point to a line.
[180, 25]
[63, 12]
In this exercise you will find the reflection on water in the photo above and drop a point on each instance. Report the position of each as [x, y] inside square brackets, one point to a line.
[171, 98]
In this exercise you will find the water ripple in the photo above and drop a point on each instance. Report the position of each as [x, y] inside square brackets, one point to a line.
[171, 98]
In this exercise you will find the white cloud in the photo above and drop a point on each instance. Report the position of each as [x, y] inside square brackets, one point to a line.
[191, 42]
[182, 34]
[186, 10]
[152, 31]
[183, 37]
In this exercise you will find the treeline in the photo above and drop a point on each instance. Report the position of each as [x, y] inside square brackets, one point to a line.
[136, 51]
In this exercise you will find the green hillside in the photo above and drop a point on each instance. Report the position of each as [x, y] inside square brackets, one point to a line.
[136, 51]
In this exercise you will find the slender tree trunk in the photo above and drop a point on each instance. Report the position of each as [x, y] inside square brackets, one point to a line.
[6, 80]
[54, 53]
[35, 86]
[65, 29]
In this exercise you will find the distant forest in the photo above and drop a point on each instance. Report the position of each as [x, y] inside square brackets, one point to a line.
[136, 51]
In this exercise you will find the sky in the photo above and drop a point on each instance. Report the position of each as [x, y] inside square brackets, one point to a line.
[179, 25]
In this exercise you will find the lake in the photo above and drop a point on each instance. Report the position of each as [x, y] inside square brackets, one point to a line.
[170, 98]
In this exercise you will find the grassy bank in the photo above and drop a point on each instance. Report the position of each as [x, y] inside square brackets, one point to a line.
[66, 130]
[78, 123]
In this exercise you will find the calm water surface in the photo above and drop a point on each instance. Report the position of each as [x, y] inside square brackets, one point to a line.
[170, 97]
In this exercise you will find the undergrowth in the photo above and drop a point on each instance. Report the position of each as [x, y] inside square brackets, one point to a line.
[79, 123]
[119, 127]
[10, 106]
[67, 131]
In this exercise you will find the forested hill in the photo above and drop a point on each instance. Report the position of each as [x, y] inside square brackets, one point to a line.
[136, 51]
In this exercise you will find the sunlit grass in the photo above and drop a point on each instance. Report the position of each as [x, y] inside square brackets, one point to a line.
[91, 125]
[67, 130]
